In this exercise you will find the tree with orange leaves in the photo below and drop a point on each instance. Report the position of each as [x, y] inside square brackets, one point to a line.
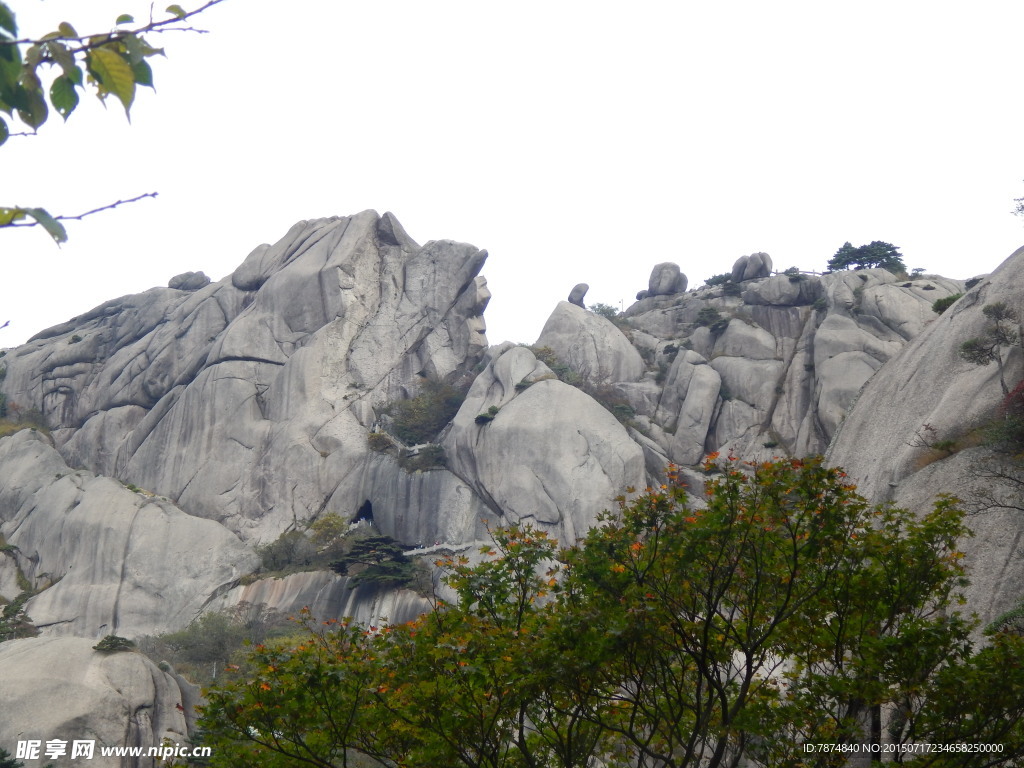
[782, 610]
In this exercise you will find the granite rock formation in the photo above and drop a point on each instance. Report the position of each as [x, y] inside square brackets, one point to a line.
[191, 424]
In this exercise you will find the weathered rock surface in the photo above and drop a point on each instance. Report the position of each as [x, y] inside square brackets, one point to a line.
[785, 290]
[550, 456]
[577, 293]
[108, 560]
[666, 280]
[928, 383]
[189, 281]
[751, 267]
[246, 407]
[790, 354]
[207, 397]
[61, 689]
[591, 345]
[327, 595]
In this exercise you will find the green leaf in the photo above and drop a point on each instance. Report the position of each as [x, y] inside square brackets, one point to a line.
[8, 26]
[125, 18]
[114, 74]
[10, 215]
[138, 49]
[35, 111]
[143, 73]
[50, 224]
[63, 96]
[60, 54]
[33, 56]
[4, 132]
[176, 10]
[67, 30]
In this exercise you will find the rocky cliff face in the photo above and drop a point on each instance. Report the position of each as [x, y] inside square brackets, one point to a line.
[192, 423]
[930, 397]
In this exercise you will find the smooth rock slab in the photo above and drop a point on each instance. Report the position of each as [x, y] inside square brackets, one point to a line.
[60, 688]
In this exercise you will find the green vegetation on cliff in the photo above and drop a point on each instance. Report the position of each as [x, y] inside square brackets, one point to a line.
[784, 610]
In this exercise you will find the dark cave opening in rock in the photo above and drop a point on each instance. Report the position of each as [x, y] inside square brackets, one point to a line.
[365, 513]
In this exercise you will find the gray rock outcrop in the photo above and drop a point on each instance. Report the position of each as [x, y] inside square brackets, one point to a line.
[189, 281]
[752, 267]
[785, 291]
[666, 280]
[61, 689]
[789, 356]
[257, 404]
[550, 456]
[138, 564]
[274, 372]
[883, 445]
[591, 345]
[577, 293]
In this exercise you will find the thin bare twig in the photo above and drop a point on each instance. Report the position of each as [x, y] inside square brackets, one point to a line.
[80, 216]
[102, 39]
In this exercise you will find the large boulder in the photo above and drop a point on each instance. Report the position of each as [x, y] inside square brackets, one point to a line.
[591, 345]
[666, 280]
[687, 405]
[577, 293]
[547, 453]
[60, 689]
[189, 281]
[751, 267]
[785, 290]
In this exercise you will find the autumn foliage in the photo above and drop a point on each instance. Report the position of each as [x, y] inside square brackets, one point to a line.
[781, 610]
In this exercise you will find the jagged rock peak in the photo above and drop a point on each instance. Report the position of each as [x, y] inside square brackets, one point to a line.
[205, 396]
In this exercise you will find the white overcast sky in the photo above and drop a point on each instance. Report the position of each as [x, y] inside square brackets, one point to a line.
[576, 141]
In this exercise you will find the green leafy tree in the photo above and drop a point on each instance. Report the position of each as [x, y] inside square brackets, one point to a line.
[607, 311]
[876, 254]
[328, 533]
[376, 560]
[7, 760]
[114, 644]
[312, 703]
[1001, 330]
[419, 419]
[721, 279]
[783, 610]
[110, 63]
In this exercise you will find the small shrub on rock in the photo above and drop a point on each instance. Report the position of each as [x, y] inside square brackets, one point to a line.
[428, 457]
[290, 549]
[419, 419]
[708, 316]
[941, 305]
[607, 311]
[114, 644]
[487, 416]
[379, 442]
[721, 279]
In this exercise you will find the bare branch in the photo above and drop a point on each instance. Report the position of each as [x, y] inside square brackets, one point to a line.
[94, 41]
[80, 216]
